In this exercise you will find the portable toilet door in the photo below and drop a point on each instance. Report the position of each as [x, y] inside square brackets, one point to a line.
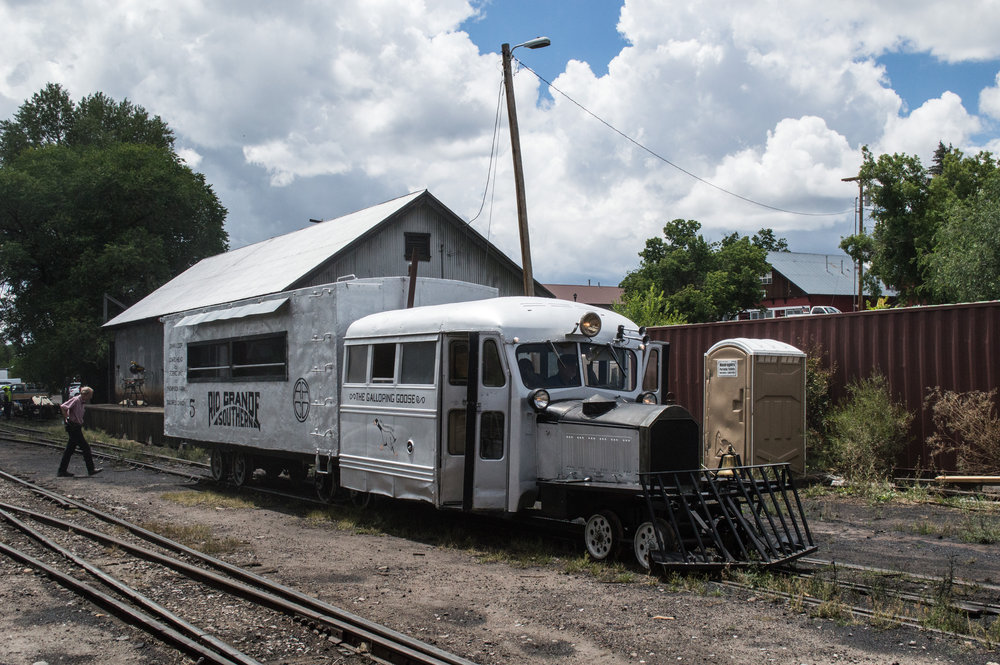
[755, 402]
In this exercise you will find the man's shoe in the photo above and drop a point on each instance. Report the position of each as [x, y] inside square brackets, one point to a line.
[95, 471]
[64, 474]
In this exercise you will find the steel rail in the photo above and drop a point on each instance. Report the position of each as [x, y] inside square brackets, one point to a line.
[854, 610]
[151, 607]
[115, 606]
[383, 641]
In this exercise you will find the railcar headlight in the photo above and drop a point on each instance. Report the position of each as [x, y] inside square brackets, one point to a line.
[647, 398]
[590, 324]
[539, 400]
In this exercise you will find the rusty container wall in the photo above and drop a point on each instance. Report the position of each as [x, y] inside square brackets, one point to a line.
[916, 348]
[754, 392]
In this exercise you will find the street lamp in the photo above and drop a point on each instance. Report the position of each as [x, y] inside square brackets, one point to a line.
[515, 145]
[861, 232]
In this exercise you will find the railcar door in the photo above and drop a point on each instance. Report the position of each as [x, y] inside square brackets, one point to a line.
[475, 394]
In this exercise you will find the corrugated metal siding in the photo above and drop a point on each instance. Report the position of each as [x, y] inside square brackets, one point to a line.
[143, 343]
[952, 346]
[454, 255]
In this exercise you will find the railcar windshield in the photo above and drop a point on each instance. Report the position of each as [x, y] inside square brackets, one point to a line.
[568, 365]
[608, 367]
[549, 365]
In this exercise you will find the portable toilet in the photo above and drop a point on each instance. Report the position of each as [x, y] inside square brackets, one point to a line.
[755, 401]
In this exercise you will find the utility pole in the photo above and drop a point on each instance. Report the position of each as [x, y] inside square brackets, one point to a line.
[861, 231]
[515, 146]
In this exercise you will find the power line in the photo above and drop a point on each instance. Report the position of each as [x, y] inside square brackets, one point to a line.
[667, 161]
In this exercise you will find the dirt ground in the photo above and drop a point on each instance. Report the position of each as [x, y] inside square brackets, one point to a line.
[492, 612]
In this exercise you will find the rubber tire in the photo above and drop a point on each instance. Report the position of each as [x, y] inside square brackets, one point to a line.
[645, 540]
[602, 536]
[242, 469]
[219, 466]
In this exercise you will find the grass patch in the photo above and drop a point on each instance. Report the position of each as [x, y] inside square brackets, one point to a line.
[605, 571]
[195, 536]
[215, 499]
[979, 529]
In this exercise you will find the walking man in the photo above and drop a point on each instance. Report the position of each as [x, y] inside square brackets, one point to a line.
[72, 410]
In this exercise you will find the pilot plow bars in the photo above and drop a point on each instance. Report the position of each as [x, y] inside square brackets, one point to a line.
[736, 516]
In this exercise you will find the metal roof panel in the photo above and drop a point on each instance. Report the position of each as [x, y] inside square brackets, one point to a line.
[269, 266]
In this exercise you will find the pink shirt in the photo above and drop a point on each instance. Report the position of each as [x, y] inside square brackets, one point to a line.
[72, 410]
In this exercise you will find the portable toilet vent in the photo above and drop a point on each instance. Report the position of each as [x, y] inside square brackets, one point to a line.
[755, 402]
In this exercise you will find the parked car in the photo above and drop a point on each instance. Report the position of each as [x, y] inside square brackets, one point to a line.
[824, 309]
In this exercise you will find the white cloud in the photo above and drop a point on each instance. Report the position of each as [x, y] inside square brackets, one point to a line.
[298, 111]
[989, 100]
[943, 119]
[190, 157]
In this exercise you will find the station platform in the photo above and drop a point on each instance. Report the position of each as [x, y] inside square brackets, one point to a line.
[139, 423]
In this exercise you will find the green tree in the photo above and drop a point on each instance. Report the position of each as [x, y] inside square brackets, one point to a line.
[898, 187]
[93, 200]
[911, 206]
[702, 281]
[965, 265]
[648, 308]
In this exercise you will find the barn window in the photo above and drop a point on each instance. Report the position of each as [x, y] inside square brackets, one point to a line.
[419, 244]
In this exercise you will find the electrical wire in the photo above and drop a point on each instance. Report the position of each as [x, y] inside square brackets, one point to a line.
[667, 161]
[493, 151]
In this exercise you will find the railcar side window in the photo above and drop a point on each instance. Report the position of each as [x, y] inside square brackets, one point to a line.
[491, 435]
[357, 364]
[383, 362]
[493, 374]
[256, 358]
[651, 379]
[456, 432]
[458, 362]
[208, 361]
[417, 364]
[260, 357]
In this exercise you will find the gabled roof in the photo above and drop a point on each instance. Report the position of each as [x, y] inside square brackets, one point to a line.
[818, 274]
[265, 267]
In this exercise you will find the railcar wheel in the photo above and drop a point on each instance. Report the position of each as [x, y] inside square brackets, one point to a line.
[242, 469]
[360, 499]
[219, 465]
[603, 535]
[645, 541]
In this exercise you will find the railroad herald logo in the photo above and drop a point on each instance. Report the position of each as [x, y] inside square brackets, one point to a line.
[232, 408]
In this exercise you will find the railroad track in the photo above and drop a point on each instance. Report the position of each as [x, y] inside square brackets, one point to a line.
[938, 604]
[159, 581]
[872, 594]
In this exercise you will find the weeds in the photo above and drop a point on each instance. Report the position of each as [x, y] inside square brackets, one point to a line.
[195, 536]
[979, 529]
[818, 403]
[867, 430]
[967, 426]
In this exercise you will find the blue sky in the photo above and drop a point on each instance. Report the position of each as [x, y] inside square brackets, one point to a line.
[297, 111]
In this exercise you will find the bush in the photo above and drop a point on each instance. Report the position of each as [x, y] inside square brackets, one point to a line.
[967, 426]
[867, 430]
[818, 402]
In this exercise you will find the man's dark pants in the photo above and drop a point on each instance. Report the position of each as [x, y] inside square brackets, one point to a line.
[76, 439]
